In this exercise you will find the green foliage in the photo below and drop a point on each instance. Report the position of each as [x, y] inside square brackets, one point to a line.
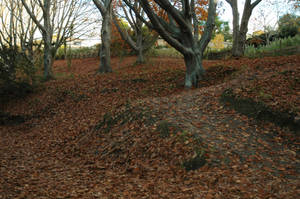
[251, 52]
[165, 52]
[82, 52]
[222, 27]
[63, 75]
[288, 25]
[273, 48]
[120, 48]
[213, 54]
[60, 54]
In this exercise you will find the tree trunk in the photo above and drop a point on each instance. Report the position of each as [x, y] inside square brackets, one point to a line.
[194, 69]
[65, 49]
[48, 58]
[244, 29]
[239, 49]
[140, 58]
[236, 28]
[139, 43]
[105, 66]
[240, 31]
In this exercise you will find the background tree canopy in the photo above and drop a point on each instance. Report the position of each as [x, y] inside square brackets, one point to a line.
[289, 25]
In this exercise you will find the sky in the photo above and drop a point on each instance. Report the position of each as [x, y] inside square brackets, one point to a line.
[263, 14]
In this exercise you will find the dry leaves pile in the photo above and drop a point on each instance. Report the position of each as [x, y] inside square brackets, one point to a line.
[134, 133]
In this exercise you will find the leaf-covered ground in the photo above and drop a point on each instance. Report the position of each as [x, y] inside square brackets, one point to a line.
[137, 133]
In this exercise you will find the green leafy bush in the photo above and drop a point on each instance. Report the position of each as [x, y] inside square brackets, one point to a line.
[288, 25]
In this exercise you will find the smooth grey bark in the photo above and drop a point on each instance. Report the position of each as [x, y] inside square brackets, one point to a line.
[139, 44]
[47, 38]
[181, 32]
[105, 47]
[240, 30]
[105, 8]
[47, 33]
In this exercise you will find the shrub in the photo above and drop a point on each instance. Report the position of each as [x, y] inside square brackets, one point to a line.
[217, 53]
[118, 47]
[288, 25]
[273, 48]
[17, 73]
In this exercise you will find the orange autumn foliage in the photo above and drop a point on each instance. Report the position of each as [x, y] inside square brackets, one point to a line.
[118, 45]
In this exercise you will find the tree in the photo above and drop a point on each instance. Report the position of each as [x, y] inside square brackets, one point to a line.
[222, 27]
[181, 29]
[55, 22]
[288, 25]
[105, 8]
[296, 3]
[16, 40]
[17, 28]
[218, 42]
[119, 46]
[266, 19]
[240, 30]
[141, 38]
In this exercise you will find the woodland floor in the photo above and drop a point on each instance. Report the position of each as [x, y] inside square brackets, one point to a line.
[135, 133]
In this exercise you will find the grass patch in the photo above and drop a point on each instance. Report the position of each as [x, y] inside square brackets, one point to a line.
[165, 52]
[64, 75]
[81, 52]
[276, 48]
[211, 54]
